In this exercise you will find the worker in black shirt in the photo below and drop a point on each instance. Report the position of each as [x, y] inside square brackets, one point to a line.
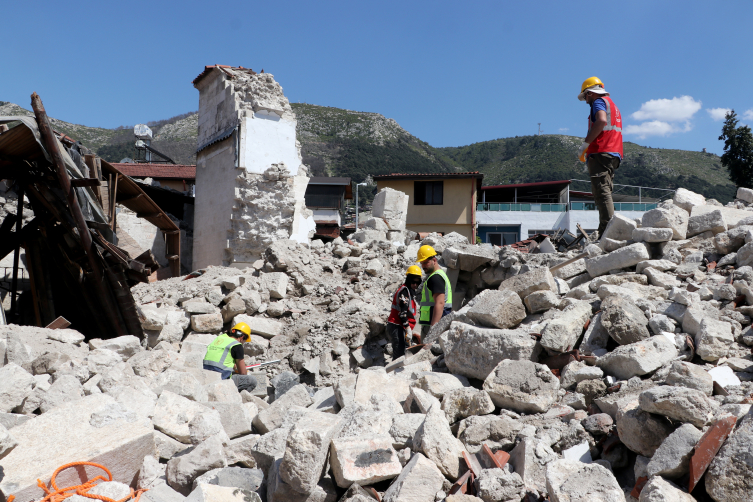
[402, 317]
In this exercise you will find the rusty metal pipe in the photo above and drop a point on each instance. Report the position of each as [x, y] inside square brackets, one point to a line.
[65, 183]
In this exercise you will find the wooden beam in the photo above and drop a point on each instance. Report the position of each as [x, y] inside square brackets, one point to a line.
[130, 199]
[113, 202]
[150, 215]
[85, 182]
[59, 323]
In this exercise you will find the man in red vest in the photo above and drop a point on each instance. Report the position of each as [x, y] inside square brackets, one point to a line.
[602, 148]
[402, 318]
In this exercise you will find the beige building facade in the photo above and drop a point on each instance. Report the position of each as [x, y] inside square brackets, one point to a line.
[440, 202]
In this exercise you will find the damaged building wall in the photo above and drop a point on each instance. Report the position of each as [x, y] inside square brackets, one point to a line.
[250, 182]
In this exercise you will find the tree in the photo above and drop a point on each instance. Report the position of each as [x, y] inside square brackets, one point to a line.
[738, 151]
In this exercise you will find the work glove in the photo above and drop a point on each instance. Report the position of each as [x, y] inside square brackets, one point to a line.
[582, 151]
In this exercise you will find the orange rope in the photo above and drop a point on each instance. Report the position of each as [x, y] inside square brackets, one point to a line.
[60, 494]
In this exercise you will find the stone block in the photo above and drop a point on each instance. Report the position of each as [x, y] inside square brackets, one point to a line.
[172, 414]
[166, 447]
[619, 228]
[729, 474]
[669, 216]
[622, 258]
[522, 386]
[497, 309]
[641, 431]
[537, 279]
[66, 389]
[206, 323]
[276, 283]
[183, 469]
[345, 389]
[179, 382]
[390, 204]
[671, 460]
[69, 435]
[732, 217]
[199, 306]
[623, 320]
[15, 386]
[419, 401]
[692, 376]
[541, 301]
[438, 384]
[638, 359]
[236, 418]
[403, 429]
[468, 258]
[363, 460]
[162, 493]
[571, 481]
[223, 391]
[713, 339]
[268, 328]
[435, 440]
[660, 279]
[498, 484]
[575, 269]
[687, 199]
[378, 382]
[561, 333]
[461, 403]
[652, 234]
[272, 417]
[712, 221]
[679, 403]
[474, 351]
[419, 481]
[214, 493]
[577, 371]
[529, 459]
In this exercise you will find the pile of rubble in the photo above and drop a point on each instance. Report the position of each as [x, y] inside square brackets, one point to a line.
[620, 371]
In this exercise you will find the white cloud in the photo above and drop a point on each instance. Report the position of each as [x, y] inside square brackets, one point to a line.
[656, 128]
[719, 113]
[668, 110]
[564, 129]
[748, 114]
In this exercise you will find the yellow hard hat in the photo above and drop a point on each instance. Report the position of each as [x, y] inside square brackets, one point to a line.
[590, 82]
[425, 252]
[414, 270]
[245, 329]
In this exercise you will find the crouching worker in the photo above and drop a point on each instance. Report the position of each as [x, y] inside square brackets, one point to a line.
[402, 318]
[225, 355]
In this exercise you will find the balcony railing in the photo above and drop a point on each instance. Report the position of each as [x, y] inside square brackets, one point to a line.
[560, 208]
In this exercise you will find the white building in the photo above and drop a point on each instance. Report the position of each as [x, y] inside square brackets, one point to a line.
[511, 213]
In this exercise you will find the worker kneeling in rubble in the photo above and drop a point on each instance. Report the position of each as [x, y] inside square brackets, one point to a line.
[402, 318]
[436, 295]
[225, 354]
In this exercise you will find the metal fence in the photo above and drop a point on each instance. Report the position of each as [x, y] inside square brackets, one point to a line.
[561, 208]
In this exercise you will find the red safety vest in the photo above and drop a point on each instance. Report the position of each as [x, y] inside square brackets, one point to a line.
[394, 317]
[610, 139]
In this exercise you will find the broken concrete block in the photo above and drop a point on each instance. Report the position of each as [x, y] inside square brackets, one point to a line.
[724, 377]
[561, 333]
[66, 389]
[679, 403]
[623, 320]
[404, 428]
[541, 301]
[152, 473]
[637, 359]
[732, 217]
[641, 431]
[187, 466]
[619, 228]
[162, 493]
[279, 491]
[464, 402]
[15, 385]
[213, 493]
[172, 414]
[363, 460]
[181, 383]
[595, 338]
[438, 384]
[652, 234]
[152, 318]
[206, 323]
[498, 484]
[69, 435]
[166, 447]
[571, 481]
[670, 216]
[598, 424]
[713, 339]
[101, 360]
[468, 258]
[672, 458]
[126, 345]
[377, 381]
[728, 477]
[268, 328]
[475, 351]
[249, 480]
[537, 279]
[707, 222]
[497, 309]
[345, 389]
[529, 459]
[435, 440]
[272, 417]
[575, 372]
[660, 279]
[692, 376]
[306, 451]
[419, 481]
[325, 401]
[199, 306]
[236, 418]
[147, 363]
[7, 442]
[420, 399]
[622, 258]
[112, 490]
[522, 386]
[276, 283]
[687, 200]
[223, 391]
[580, 452]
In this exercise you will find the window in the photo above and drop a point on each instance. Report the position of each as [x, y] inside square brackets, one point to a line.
[501, 238]
[428, 193]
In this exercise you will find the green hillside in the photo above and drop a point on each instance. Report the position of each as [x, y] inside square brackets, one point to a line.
[553, 157]
[337, 142]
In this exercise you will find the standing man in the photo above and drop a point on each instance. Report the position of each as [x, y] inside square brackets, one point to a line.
[602, 148]
[436, 295]
[226, 354]
[402, 318]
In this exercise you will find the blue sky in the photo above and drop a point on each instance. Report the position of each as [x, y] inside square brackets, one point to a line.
[451, 73]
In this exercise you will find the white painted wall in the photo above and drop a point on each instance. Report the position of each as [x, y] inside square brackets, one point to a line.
[267, 139]
[326, 215]
[532, 220]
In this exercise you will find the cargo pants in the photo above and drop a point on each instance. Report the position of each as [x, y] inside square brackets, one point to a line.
[601, 168]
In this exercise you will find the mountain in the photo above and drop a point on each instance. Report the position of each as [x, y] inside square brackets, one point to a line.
[338, 142]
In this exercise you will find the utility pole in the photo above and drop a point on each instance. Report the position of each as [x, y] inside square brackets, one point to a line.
[540, 131]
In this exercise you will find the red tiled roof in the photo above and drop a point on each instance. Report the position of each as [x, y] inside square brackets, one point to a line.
[524, 185]
[209, 68]
[157, 171]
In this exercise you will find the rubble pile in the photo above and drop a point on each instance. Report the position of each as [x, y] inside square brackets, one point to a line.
[617, 372]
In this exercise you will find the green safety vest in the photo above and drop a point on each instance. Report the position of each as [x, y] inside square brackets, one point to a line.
[218, 353]
[427, 299]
